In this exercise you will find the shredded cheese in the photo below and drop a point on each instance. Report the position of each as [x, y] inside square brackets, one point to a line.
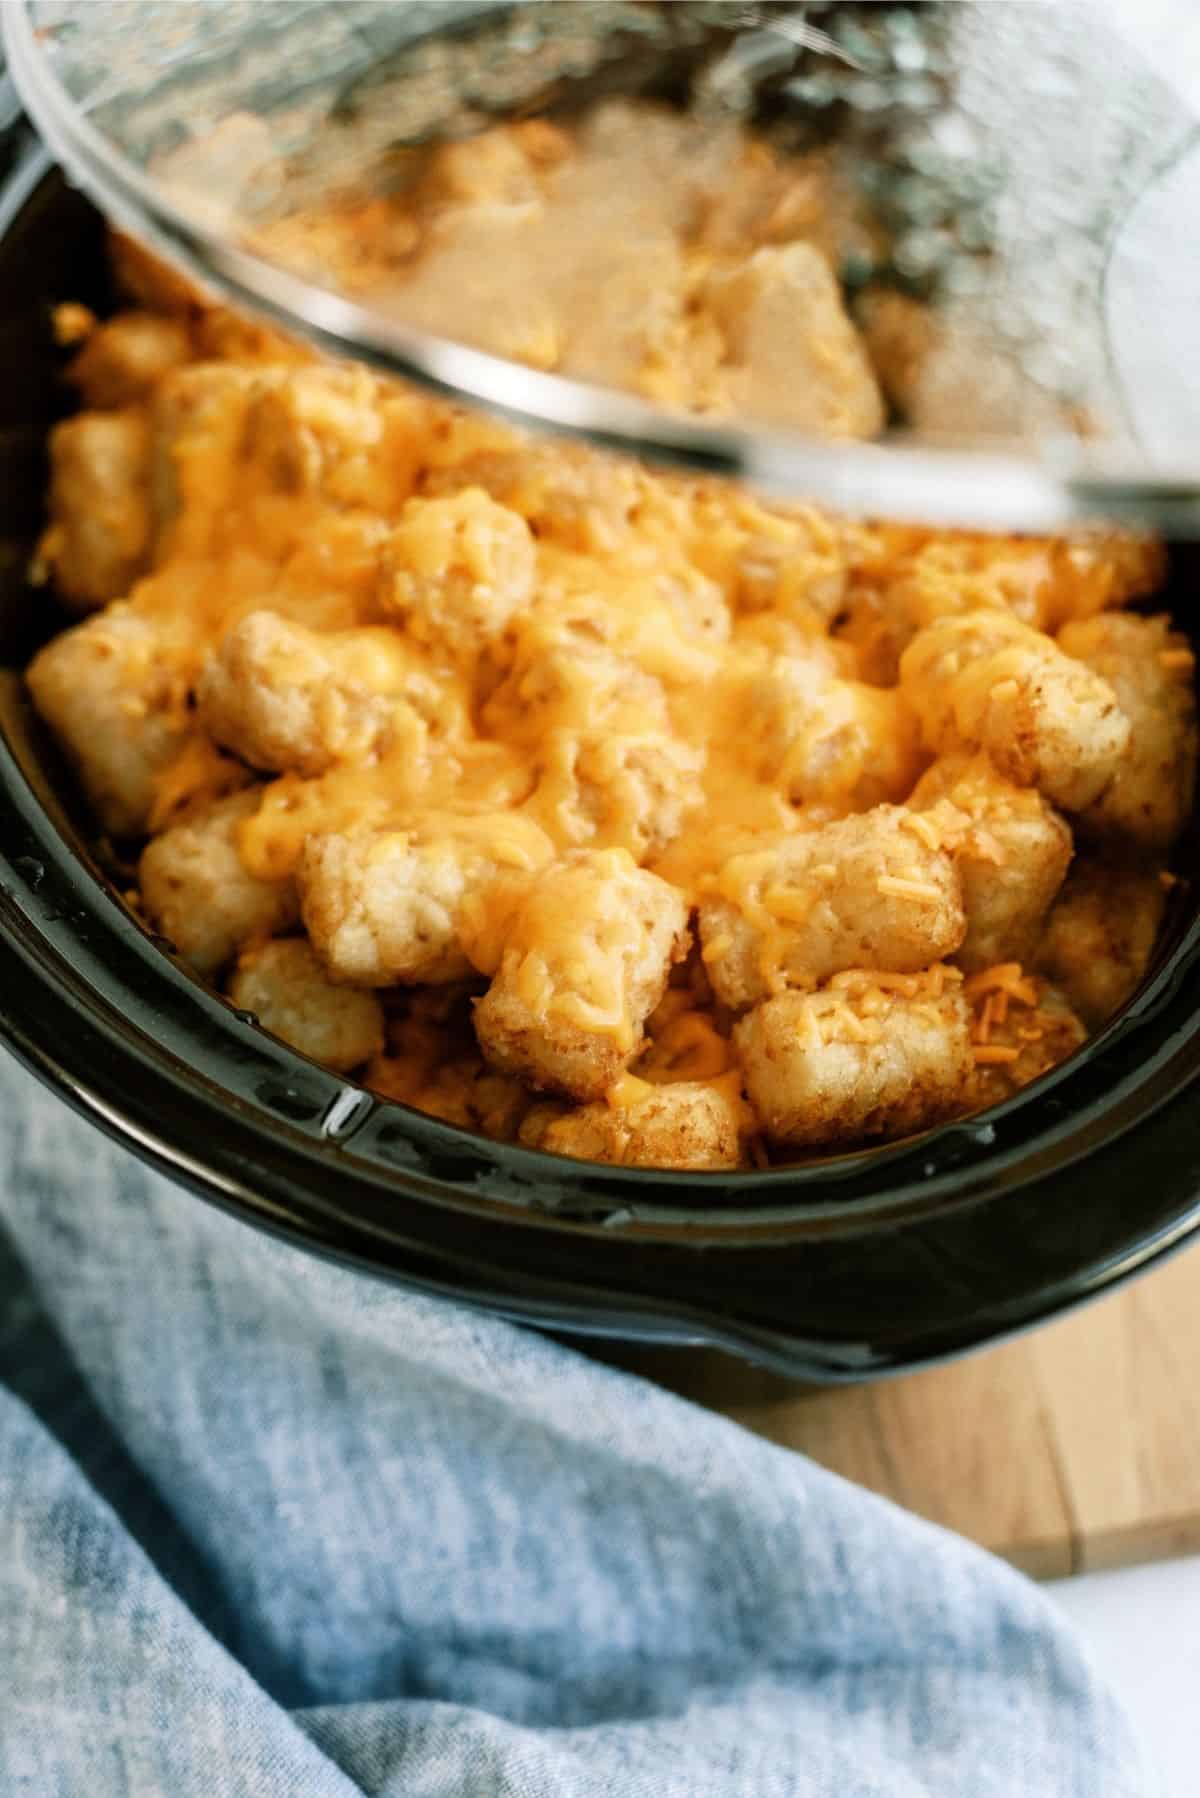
[995, 1054]
[921, 892]
[1004, 977]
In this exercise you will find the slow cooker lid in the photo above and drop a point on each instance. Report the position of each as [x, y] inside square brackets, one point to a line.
[1031, 170]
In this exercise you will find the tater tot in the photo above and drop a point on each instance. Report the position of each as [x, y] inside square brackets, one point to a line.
[490, 169]
[289, 699]
[1100, 935]
[115, 692]
[566, 1008]
[858, 1058]
[197, 426]
[383, 908]
[286, 987]
[696, 607]
[783, 561]
[1151, 669]
[196, 890]
[900, 334]
[1011, 848]
[900, 579]
[1097, 570]
[689, 1124]
[568, 495]
[829, 741]
[986, 681]
[124, 358]
[331, 431]
[613, 791]
[1021, 1028]
[792, 355]
[903, 580]
[552, 686]
[866, 891]
[98, 540]
[457, 569]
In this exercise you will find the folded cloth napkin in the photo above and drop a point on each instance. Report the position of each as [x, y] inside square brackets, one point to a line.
[270, 1527]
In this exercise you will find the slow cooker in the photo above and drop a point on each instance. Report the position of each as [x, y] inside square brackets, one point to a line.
[840, 1268]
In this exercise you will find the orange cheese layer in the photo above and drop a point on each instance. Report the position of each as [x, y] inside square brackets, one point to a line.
[673, 619]
[633, 629]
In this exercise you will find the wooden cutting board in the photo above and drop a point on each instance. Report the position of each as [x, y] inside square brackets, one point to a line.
[1074, 1448]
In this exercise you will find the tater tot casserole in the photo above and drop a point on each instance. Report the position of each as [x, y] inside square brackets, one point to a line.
[617, 813]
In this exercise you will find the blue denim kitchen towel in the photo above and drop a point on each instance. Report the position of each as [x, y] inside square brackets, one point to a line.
[271, 1528]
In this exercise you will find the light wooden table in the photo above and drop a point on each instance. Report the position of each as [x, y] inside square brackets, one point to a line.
[1073, 1448]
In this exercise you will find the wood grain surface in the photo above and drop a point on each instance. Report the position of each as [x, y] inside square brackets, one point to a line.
[1075, 1447]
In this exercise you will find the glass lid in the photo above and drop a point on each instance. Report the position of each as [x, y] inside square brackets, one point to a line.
[937, 262]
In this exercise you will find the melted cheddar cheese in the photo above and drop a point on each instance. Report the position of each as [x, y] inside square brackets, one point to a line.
[365, 615]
